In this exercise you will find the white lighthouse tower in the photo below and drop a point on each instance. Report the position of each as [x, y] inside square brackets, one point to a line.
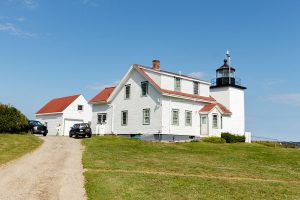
[227, 90]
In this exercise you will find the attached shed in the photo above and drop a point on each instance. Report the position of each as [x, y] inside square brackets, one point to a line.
[60, 114]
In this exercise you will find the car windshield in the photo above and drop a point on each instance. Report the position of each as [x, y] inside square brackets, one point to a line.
[36, 123]
[84, 125]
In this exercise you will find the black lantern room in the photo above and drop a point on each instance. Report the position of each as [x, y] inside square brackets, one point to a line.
[225, 76]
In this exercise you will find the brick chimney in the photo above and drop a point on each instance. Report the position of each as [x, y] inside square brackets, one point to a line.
[156, 64]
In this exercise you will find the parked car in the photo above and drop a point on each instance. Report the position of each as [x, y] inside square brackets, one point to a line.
[36, 127]
[82, 129]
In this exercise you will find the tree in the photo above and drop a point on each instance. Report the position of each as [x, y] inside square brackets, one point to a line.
[11, 119]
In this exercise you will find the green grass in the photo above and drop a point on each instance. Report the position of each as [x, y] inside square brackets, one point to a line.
[13, 146]
[120, 168]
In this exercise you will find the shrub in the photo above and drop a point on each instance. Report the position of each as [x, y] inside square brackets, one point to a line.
[230, 138]
[11, 119]
[214, 140]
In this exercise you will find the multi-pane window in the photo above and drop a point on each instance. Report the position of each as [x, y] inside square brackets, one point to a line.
[196, 88]
[124, 118]
[127, 91]
[144, 86]
[80, 107]
[177, 84]
[175, 117]
[102, 118]
[146, 116]
[215, 121]
[188, 118]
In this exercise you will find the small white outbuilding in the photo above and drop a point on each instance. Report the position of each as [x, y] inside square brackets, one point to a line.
[60, 114]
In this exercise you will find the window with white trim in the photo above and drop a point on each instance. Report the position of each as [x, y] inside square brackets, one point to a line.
[188, 118]
[215, 121]
[102, 118]
[146, 116]
[127, 91]
[144, 87]
[80, 107]
[196, 88]
[124, 118]
[177, 84]
[175, 117]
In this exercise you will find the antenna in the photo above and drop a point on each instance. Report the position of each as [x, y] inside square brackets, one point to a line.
[227, 56]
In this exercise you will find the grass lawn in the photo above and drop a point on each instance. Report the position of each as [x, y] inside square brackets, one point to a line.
[120, 168]
[13, 146]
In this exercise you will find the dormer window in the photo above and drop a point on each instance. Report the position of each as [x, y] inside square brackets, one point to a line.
[177, 84]
[80, 107]
[196, 88]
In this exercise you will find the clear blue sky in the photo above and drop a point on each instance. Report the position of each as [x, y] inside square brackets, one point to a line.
[61, 47]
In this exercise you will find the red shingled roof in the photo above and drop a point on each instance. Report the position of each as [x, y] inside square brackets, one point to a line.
[210, 106]
[57, 105]
[103, 95]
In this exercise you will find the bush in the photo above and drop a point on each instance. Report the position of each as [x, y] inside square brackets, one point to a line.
[12, 120]
[214, 140]
[230, 138]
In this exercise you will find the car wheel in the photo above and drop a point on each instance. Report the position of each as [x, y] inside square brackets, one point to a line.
[89, 135]
[70, 135]
[76, 135]
[44, 134]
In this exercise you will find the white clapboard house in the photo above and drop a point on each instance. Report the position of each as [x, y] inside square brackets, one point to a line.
[61, 113]
[155, 104]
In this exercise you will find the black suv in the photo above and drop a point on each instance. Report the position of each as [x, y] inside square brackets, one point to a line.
[36, 127]
[82, 129]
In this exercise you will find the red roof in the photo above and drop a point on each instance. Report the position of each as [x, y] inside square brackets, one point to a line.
[57, 105]
[210, 106]
[170, 91]
[103, 95]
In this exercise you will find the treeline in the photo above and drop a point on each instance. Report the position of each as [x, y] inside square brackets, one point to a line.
[11, 119]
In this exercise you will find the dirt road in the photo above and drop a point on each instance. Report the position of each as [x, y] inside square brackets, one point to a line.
[54, 171]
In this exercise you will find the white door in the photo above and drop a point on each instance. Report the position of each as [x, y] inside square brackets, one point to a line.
[100, 129]
[68, 124]
[204, 124]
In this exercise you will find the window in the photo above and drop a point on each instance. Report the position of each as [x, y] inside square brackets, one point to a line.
[221, 122]
[144, 86]
[196, 88]
[175, 117]
[177, 84]
[102, 118]
[188, 118]
[146, 116]
[127, 91]
[80, 107]
[124, 118]
[203, 118]
[215, 121]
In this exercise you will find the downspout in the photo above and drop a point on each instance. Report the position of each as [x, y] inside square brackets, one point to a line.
[112, 118]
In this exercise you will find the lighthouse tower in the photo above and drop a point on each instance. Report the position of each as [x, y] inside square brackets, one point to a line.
[227, 89]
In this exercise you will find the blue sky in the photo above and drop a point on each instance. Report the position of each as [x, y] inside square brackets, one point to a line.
[61, 47]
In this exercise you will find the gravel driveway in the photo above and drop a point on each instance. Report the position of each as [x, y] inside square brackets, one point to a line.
[53, 171]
